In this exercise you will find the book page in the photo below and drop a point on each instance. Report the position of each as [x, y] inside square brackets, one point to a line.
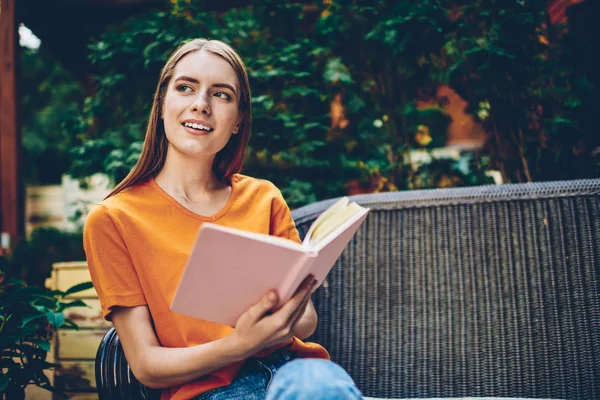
[330, 247]
[330, 220]
[336, 207]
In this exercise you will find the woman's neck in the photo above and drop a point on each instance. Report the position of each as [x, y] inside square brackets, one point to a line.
[188, 179]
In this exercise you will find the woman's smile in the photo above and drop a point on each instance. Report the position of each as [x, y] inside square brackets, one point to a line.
[197, 127]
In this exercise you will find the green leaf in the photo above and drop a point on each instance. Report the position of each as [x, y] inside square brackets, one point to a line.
[32, 317]
[355, 103]
[301, 91]
[42, 344]
[336, 72]
[4, 381]
[79, 288]
[70, 325]
[55, 319]
[28, 293]
[313, 125]
[150, 50]
[75, 303]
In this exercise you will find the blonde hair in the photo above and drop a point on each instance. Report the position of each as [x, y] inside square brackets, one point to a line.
[230, 159]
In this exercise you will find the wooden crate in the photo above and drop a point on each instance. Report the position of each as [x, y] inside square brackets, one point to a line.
[67, 274]
[76, 350]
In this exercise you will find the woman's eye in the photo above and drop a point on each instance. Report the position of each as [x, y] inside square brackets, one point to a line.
[223, 95]
[184, 88]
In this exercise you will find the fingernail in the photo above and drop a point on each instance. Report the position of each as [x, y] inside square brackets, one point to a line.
[272, 297]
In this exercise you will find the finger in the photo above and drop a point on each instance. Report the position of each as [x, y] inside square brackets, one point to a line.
[282, 318]
[299, 312]
[293, 303]
[264, 306]
[304, 288]
[293, 323]
[307, 282]
[304, 291]
[285, 330]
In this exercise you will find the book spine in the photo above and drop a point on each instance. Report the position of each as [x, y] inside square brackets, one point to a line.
[295, 277]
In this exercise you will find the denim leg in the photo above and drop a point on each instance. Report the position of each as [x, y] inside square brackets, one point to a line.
[250, 384]
[252, 380]
[312, 379]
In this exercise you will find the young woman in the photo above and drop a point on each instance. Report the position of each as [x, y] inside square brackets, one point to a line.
[137, 241]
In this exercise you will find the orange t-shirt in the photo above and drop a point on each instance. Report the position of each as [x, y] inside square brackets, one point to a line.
[137, 243]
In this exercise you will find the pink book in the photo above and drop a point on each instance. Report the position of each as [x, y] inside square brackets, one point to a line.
[229, 270]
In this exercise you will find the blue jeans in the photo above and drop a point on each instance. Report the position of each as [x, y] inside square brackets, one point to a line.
[281, 376]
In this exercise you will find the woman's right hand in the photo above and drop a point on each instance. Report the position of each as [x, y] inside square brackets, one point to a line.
[258, 329]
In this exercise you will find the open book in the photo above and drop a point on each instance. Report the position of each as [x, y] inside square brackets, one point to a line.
[229, 270]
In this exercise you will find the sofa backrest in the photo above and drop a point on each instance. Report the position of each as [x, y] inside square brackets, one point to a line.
[482, 291]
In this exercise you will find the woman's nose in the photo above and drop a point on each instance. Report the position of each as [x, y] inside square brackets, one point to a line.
[201, 104]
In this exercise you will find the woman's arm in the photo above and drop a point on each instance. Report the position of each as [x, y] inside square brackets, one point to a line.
[159, 367]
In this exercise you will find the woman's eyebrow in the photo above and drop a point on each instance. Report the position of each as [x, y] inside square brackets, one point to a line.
[225, 85]
[194, 80]
[187, 78]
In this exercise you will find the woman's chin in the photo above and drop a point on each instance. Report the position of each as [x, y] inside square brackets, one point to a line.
[195, 152]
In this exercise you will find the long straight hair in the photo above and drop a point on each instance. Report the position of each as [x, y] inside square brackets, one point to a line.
[230, 159]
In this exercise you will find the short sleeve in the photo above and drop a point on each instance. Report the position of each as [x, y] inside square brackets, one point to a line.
[282, 224]
[111, 268]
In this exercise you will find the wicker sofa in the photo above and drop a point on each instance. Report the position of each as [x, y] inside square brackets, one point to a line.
[489, 291]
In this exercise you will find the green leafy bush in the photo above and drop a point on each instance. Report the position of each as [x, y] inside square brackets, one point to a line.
[524, 82]
[29, 316]
[335, 86]
[51, 101]
[297, 65]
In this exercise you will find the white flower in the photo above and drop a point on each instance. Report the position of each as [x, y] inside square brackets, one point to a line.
[378, 123]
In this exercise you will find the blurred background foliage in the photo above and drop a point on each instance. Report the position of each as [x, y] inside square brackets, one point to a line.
[338, 91]
[50, 97]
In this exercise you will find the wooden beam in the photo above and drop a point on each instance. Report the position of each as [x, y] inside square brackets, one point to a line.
[11, 201]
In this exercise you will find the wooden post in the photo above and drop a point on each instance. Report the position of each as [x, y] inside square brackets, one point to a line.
[11, 199]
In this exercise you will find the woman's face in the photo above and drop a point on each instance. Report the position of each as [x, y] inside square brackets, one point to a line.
[201, 106]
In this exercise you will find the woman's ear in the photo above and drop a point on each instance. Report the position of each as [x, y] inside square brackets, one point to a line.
[236, 128]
